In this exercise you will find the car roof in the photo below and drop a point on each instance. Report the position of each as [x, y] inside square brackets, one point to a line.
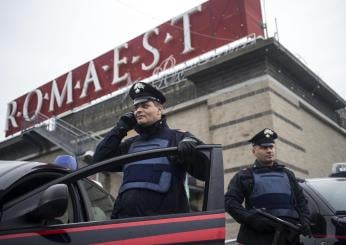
[12, 171]
[303, 182]
[324, 179]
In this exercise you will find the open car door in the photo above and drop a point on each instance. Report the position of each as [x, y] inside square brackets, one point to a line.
[87, 216]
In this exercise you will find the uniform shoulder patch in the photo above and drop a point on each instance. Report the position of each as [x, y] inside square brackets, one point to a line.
[246, 170]
[181, 130]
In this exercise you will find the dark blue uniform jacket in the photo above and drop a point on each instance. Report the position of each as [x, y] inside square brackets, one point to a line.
[136, 197]
[240, 188]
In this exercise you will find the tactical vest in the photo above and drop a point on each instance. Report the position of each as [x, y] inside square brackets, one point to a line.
[272, 191]
[152, 174]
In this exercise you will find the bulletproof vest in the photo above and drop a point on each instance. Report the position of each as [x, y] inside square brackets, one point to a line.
[153, 174]
[272, 191]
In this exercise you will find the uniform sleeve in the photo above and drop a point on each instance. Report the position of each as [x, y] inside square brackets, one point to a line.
[198, 165]
[111, 146]
[234, 198]
[300, 199]
[190, 135]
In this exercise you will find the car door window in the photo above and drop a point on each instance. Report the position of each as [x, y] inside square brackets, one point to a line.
[98, 202]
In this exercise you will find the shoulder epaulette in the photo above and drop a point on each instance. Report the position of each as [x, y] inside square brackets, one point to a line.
[180, 130]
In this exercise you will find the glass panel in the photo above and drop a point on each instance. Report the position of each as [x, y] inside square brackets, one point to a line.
[333, 191]
[195, 193]
[100, 201]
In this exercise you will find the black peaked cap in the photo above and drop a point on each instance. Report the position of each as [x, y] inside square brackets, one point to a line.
[142, 92]
[265, 137]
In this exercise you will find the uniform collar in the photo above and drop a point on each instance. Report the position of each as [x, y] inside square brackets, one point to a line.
[150, 130]
[258, 164]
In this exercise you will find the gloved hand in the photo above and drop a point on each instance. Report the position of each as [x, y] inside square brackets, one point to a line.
[260, 223]
[187, 149]
[126, 122]
[305, 228]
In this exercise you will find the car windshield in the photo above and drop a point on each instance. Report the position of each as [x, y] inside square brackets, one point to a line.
[333, 191]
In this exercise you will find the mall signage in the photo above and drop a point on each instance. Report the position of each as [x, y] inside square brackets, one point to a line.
[195, 32]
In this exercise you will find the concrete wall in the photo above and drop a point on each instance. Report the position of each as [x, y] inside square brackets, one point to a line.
[324, 144]
[194, 119]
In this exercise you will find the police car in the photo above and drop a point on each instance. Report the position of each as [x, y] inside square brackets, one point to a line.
[47, 204]
[327, 205]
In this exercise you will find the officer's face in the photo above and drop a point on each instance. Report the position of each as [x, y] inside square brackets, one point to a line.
[264, 154]
[148, 113]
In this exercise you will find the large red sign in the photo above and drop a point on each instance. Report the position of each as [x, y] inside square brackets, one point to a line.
[197, 31]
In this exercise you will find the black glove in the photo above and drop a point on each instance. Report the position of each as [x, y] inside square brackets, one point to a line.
[187, 149]
[260, 223]
[126, 122]
[305, 228]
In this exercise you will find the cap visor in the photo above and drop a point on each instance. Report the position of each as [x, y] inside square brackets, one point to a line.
[140, 100]
[267, 144]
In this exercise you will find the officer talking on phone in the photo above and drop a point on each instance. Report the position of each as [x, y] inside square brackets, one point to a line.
[153, 186]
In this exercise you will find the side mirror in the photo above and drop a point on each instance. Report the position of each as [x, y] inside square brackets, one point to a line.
[53, 203]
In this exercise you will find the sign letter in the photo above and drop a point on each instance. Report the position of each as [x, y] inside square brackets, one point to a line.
[186, 27]
[151, 49]
[26, 113]
[11, 115]
[55, 95]
[118, 62]
[91, 77]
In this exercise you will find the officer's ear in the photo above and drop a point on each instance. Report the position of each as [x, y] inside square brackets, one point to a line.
[159, 106]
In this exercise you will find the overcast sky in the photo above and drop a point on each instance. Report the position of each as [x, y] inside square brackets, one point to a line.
[43, 39]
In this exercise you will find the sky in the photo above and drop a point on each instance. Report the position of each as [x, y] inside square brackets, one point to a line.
[43, 39]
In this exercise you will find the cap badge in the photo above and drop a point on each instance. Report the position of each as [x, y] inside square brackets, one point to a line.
[268, 133]
[138, 87]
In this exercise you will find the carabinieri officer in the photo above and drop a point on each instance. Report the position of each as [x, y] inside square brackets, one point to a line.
[270, 186]
[153, 186]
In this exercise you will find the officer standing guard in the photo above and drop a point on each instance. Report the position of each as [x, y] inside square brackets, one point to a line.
[152, 186]
[270, 186]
